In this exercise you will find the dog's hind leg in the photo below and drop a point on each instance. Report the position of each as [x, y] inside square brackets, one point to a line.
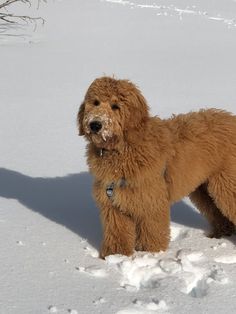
[221, 225]
[222, 188]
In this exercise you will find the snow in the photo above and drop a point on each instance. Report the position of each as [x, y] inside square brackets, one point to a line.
[182, 55]
[226, 259]
[146, 271]
[145, 308]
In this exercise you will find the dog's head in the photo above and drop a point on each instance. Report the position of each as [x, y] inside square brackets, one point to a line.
[111, 108]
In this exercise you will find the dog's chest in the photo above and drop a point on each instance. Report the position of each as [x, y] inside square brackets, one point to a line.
[109, 169]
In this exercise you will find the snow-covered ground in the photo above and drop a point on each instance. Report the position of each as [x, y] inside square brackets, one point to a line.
[181, 53]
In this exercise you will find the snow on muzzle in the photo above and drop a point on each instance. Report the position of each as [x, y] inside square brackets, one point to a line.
[99, 125]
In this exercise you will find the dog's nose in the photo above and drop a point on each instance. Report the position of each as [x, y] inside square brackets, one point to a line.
[95, 126]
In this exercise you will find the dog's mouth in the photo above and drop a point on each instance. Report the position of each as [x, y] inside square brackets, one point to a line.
[102, 137]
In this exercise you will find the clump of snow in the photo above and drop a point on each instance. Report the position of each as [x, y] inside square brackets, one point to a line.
[93, 270]
[146, 271]
[100, 300]
[140, 307]
[71, 311]
[52, 309]
[175, 231]
[219, 245]
[178, 233]
[136, 271]
[226, 259]
[91, 251]
[20, 243]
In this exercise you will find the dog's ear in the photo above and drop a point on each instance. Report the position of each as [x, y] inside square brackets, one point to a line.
[80, 117]
[139, 113]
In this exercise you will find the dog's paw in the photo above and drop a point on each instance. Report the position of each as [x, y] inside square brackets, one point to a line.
[153, 246]
[150, 247]
[218, 233]
[116, 249]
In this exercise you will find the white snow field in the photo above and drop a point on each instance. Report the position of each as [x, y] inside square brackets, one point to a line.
[182, 54]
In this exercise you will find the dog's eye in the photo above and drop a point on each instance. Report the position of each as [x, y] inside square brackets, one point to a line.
[96, 102]
[115, 107]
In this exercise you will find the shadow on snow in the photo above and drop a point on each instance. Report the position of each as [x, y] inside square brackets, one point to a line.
[68, 201]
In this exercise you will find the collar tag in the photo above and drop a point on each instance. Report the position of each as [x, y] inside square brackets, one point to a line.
[110, 189]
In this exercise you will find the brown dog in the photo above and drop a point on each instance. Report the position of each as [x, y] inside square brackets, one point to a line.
[143, 164]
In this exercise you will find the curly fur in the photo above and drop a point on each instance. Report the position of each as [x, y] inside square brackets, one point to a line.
[152, 163]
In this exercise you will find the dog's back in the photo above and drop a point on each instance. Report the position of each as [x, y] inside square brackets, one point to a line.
[210, 122]
[203, 143]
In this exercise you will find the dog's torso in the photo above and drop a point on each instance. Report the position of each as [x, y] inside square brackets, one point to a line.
[183, 152]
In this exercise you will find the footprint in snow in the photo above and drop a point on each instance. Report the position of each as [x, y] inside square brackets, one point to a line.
[196, 279]
[201, 287]
[170, 265]
[217, 274]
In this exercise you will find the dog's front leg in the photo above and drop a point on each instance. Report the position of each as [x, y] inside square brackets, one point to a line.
[119, 233]
[151, 211]
[153, 232]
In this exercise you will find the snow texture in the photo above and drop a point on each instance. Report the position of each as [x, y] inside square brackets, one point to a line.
[182, 56]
